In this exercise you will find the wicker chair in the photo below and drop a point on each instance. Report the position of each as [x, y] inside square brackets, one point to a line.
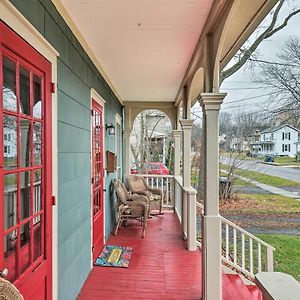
[8, 291]
[130, 206]
[138, 185]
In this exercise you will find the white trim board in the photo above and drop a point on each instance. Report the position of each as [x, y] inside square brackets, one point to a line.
[15, 20]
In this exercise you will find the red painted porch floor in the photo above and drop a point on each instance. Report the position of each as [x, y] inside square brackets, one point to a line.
[160, 266]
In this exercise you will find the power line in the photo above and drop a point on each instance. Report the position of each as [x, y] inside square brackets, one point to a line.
[249, 98]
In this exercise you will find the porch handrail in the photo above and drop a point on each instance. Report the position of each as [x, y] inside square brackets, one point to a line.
[247, 260]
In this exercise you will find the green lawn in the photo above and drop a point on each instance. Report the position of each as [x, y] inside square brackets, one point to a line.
[263, 178]
[287, 254]
[286, 160]
[270, 204]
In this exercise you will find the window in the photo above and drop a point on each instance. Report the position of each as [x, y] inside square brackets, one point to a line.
[282, 147]
[272, 136]
[5, 137]
[289, 136]
[289, 147]
[285, 147]
[283, 136]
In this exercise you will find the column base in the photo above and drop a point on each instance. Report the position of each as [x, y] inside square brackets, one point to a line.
[211, 258]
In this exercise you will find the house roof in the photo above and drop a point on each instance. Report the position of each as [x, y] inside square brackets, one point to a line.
[275, 128]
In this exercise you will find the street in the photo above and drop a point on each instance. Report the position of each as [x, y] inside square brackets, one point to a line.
[283, 172]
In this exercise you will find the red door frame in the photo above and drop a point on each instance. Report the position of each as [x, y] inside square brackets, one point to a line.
[41, 269]
[97, 185]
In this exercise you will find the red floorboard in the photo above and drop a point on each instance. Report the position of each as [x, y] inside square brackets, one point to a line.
[160, 266]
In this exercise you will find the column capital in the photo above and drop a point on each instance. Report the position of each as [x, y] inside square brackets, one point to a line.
[126, 131]
[177, 133]
[211, 101]
[186, 123]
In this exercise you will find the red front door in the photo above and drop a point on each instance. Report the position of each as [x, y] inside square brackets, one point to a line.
[97, 178]
[25, 166]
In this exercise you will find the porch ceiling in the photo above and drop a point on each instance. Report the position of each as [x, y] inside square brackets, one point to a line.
[144, 46]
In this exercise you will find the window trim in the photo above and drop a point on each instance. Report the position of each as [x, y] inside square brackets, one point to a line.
[118, 121]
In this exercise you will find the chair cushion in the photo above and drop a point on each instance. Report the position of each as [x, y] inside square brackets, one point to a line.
[154, 197]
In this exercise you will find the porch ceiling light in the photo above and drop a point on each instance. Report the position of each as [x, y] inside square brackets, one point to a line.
[110, 128]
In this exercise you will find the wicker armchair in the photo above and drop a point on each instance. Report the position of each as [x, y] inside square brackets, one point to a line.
[8, 291]
[130, 206]
[138, 185]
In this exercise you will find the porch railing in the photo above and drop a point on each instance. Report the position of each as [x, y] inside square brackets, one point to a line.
[244, 251]
[241, 250]
[165, 183]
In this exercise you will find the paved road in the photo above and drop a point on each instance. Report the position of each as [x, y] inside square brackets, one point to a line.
[283, 172]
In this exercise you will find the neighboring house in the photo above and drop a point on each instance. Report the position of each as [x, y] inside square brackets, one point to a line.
[279, 141]
[239, 144]
[159, 135]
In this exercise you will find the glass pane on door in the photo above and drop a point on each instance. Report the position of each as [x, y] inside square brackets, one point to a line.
[9, 85]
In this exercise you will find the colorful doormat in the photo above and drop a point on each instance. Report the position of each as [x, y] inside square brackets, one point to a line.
[114, 256]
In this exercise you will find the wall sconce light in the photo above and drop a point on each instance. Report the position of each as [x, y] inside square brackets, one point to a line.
[110, 128]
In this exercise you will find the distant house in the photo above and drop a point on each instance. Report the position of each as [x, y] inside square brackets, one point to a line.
[280, 140]
[239, 144]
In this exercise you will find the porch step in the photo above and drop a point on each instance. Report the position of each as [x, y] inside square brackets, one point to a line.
[235, 289]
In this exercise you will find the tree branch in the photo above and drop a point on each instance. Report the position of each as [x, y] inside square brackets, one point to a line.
[264, 35]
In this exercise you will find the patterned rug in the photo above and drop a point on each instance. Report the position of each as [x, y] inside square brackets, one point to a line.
[114, 256]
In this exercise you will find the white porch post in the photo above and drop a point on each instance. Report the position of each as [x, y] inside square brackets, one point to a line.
[189, 199]
[126, 133]
[177, 151]
[211, 221]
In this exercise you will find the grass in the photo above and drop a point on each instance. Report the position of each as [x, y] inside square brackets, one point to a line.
[286, 160]
[287, 254]
[262, 178]
[264, 204]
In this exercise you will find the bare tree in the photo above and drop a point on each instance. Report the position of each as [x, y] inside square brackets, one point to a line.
[283, 78]
[247, 52]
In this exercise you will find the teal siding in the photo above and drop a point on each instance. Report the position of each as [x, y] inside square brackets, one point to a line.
[76, 76]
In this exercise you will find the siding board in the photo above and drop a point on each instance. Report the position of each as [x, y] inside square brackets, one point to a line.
[76, 76]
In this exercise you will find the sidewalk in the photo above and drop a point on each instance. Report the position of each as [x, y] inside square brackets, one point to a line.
[271, 189]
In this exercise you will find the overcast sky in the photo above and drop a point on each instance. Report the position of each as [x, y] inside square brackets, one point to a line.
[240, 85]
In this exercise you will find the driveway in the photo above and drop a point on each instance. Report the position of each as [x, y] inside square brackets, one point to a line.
[283, 172]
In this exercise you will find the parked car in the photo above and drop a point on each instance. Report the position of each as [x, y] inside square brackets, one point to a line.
[269, 158]
[153, 168]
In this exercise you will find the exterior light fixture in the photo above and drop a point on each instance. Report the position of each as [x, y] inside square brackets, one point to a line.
[110, 128]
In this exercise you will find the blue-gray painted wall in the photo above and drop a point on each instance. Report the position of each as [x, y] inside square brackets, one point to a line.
[76, 76]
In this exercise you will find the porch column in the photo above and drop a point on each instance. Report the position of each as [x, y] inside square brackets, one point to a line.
[189, 199]
[211, 221]
[177, 151]
[126, 133]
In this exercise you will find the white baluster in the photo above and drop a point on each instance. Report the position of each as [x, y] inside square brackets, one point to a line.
[234, 246]
[251, 254]
[167, 192]
[151, 182]
[243, 251]
[227, 241]
[259, 256]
